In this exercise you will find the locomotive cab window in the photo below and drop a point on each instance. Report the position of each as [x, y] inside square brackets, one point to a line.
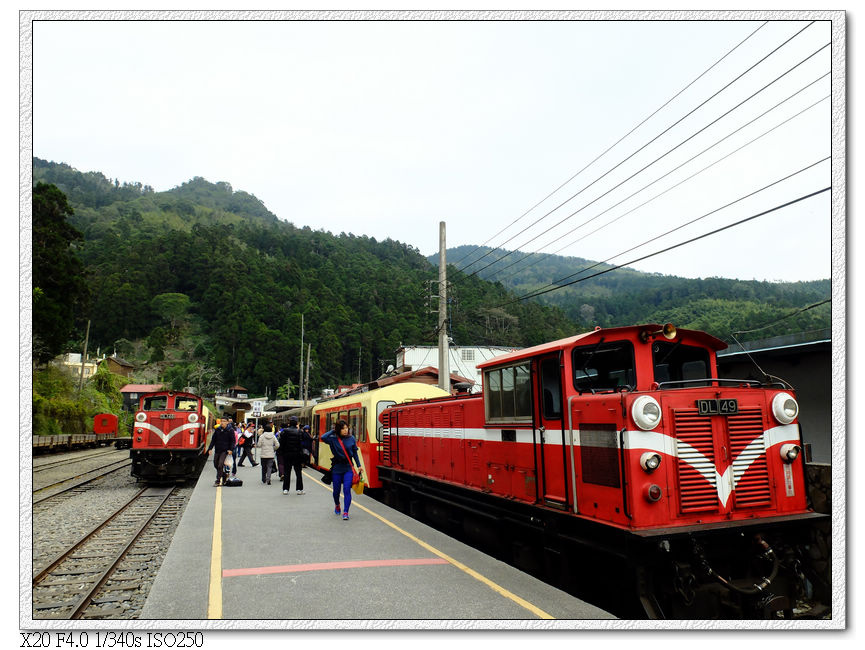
[551, 388]
[508, 394]
[677, 362]
[604, 367]
[186, 404]
[155, 403]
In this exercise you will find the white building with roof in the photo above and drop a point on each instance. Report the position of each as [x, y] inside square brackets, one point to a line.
[462, 359]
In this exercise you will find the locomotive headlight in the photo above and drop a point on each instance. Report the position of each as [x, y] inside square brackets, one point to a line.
[650, 461]
[646, 412]
[141, 416]
[193, 417]
[784, 408]
[790, 452]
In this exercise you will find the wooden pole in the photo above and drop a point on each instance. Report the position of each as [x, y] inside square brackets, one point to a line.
[84, 358]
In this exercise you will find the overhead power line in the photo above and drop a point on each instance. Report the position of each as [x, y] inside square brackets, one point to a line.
[555, 283]
[674, 246]
[689, 138]
[790, 315]
[672, 187]
[612, 146]
[676, 123]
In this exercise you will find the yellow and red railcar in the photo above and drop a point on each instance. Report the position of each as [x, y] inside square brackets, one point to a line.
[623, 444]
[360, 409]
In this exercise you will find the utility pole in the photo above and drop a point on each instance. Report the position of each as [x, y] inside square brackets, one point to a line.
[306, 379]
[84, 358]
[300, 383]
[444, 368]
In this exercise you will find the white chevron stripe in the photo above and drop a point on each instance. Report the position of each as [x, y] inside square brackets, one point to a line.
[658, 442]
[167, 436]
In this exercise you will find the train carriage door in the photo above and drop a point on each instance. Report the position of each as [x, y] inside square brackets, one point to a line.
[549, 434]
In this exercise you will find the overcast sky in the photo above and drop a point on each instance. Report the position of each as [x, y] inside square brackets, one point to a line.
[386, 128]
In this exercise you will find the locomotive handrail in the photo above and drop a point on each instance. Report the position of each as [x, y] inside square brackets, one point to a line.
[682, 382]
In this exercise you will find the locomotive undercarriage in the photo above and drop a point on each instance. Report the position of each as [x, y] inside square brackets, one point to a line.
[775, 571]
[166, 466]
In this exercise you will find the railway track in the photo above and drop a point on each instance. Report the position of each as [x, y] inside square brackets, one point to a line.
[46, 492]
[96, 575]
[41, 467]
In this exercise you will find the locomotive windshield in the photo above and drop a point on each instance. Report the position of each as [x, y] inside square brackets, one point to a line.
[677, 362]
[159, 403]
[604, 366]
[186, 404]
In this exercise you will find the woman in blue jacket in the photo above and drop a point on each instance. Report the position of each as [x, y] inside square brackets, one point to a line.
[341, 464]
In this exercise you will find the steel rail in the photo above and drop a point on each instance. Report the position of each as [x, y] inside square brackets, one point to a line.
[70, 461]
[42, 573]
[113, 468]
[86, 599]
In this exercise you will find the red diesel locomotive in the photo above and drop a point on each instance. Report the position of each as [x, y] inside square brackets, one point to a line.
[169, 436]
[617, 457]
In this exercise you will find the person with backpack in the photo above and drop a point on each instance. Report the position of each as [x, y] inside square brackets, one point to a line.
[291, 450]
[246, 441]
[344, 448]
[268, 444]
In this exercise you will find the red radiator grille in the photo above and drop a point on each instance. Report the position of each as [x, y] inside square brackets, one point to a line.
[749, 458]
[695, 447]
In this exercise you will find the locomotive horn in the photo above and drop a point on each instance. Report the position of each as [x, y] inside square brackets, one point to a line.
[668, 330]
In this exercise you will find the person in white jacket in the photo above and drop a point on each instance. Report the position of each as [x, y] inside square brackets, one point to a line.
[267, 444]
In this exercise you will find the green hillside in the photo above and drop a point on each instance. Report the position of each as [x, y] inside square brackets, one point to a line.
[207, 286]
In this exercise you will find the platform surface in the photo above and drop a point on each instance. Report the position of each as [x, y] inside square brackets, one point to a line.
[253, 554]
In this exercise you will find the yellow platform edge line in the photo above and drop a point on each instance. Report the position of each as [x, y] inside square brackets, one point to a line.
[214, 598]
[537, 611]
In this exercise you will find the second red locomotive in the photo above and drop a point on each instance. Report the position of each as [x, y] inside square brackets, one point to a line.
[169, 436]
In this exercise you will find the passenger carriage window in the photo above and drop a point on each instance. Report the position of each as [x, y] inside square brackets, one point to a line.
[604, 367]
[354, 425]
[155, 403]
[507, 394]
[186, 404]
[677, 362]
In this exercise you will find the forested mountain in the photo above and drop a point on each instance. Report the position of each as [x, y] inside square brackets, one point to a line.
[209, 287]
[204, 282]
[719, 306]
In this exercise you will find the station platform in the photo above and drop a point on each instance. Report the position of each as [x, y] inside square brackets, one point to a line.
[252, 554]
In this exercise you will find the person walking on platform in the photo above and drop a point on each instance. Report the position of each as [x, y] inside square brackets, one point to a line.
[291, 450]
[306, 441]
[248, 440]
[344, 448]
[221, 442]
[268, 444]
[280, 464]
[235, 450]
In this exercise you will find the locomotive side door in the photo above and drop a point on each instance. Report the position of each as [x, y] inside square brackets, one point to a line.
[549, 434]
